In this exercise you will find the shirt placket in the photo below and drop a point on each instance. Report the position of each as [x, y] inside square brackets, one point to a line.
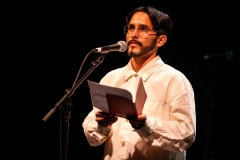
[126, 127]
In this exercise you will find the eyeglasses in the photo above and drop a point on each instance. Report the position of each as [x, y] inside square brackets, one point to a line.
[142, 30]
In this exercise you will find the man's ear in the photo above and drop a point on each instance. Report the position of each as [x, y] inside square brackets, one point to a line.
[162, 39]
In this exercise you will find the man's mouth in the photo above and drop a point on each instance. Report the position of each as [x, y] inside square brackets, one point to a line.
[134, 42]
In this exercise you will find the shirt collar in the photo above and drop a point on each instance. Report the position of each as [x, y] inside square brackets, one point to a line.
[146, 71]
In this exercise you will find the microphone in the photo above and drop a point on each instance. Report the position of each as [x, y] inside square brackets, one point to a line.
[229, 55]
[121, 46]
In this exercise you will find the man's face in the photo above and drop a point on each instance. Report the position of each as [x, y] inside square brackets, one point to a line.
[138, 46]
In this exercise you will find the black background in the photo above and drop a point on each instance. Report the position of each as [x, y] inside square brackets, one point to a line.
[43, 43]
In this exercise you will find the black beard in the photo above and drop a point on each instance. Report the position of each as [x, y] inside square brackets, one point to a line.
[144, 49]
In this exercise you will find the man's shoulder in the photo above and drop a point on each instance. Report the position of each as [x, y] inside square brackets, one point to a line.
[171, 71]
[113, 76]
[115, 72]
[169, 68]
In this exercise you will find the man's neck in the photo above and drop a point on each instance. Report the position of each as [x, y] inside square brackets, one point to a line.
[139, 62]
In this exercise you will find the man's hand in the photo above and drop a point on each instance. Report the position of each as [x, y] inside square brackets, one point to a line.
[105, 119]
[137, 121]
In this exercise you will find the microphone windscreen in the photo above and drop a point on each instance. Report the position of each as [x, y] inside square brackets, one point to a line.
[123, 45]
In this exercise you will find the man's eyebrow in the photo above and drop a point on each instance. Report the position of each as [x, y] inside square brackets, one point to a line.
[144, 25]
[140, 25]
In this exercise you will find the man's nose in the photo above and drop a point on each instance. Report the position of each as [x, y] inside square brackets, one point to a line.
[135, 33]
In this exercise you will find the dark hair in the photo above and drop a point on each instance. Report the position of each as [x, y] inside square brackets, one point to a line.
[162, 23]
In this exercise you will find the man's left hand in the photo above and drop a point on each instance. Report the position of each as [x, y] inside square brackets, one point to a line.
[137, 121]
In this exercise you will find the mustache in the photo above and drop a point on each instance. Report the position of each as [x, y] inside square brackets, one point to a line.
[134, 41]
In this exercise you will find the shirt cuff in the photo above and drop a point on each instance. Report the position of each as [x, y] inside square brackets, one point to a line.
[104, 130]
[145, 130]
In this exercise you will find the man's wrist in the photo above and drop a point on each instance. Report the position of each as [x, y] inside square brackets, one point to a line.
[138, 126]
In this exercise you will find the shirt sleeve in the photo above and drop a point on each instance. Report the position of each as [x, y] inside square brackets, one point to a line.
[178, 133]
[95, 134]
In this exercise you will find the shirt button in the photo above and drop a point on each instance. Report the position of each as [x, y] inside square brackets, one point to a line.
[123, 144]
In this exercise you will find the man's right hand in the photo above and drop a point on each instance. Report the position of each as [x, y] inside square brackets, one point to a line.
[105, 119]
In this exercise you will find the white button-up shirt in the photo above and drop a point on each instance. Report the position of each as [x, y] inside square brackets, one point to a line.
[170, 109]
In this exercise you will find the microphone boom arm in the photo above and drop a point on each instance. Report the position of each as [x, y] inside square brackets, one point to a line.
[69, 92]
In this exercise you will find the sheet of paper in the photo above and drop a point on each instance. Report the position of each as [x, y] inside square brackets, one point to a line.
[98, 94]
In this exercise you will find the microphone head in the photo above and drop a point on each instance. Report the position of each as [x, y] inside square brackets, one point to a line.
[123, 46]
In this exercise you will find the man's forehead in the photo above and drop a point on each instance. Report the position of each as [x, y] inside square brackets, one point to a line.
[141, 18]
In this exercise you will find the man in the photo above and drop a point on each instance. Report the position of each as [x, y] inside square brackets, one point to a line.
[167, 125]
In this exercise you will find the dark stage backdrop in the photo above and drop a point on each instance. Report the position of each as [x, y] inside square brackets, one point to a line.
[43, 44]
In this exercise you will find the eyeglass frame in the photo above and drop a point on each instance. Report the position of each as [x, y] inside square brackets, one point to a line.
[147, 34]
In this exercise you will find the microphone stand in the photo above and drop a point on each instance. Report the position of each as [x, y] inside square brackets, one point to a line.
[65, 105]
